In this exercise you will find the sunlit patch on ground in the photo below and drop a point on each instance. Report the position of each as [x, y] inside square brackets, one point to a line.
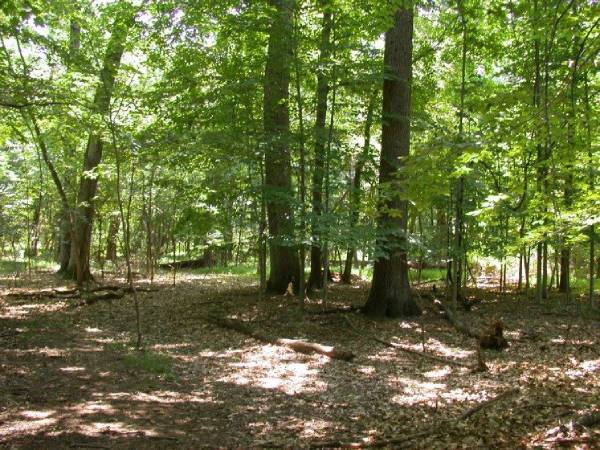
[273, 367]
[65, 376]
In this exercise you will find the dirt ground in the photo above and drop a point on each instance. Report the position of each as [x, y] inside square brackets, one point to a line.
[71, 378]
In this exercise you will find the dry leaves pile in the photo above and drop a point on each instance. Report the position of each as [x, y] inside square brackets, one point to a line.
[70, 378]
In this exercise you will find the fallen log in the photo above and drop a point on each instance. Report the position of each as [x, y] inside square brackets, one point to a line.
[478, 367]
[187, 264]
[491, 338]
[293, 344]
[94, 298]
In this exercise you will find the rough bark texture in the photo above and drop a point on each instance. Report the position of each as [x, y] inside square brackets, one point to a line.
[79, 262]
[316, 271]
[390, 291]
[284, 264]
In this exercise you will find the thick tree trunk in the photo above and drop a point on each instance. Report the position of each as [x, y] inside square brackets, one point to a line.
[355, 194]
[83, 215]
[315, 280]
[284, 262]
[390, 290]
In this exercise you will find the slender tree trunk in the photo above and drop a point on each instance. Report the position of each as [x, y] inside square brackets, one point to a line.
[300, 105]
[315, 280]
[262, 243]
[591, 186]
[540, 293]
[460, 186]
[356, 185]
[390, 290]
[326, 271]
[278, 180]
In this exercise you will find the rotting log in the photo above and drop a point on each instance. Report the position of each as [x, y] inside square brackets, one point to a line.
[296, 345]
[95, 297]
[490, 338]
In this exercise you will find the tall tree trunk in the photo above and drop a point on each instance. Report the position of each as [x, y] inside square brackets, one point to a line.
[315, 280]
[460, 184]
[356, 181]
[537, 84]
[591, 185]
[302, 190]
[284, 267]
[83, 215]
[390, 290]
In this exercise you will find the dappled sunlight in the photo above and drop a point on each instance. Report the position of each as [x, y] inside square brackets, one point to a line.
[114, 428]
[438, 373]
[195, 385]
[270, 367]
[21, 311]
[72, 369]
[28, 422]
[35, 415]
[409, 325]
[91, 407]
[416, 392]
[443, 349]
[162, 397]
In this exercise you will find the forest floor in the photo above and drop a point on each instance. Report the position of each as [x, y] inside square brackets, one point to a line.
[71, 378]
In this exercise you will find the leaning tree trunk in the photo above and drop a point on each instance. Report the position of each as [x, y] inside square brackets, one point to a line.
[283, 261]
[79, 262]
[390, 291]
[316, 276]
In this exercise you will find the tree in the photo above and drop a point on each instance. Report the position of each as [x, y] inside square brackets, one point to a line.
[284, 267]
[83, 215]
[390, 293]
[316, 277]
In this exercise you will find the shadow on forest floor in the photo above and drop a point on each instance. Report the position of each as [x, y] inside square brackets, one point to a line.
[69, 376]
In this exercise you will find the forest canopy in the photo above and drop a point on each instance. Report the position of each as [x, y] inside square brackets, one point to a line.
[292, 134]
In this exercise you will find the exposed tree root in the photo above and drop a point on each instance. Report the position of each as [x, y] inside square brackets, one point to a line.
[293, 344]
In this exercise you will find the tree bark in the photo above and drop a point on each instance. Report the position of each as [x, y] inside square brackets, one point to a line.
[83, 215]
[284, 267]
[390, 290]
[315, 280]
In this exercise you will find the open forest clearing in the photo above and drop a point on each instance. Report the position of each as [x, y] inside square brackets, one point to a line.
[299, 224]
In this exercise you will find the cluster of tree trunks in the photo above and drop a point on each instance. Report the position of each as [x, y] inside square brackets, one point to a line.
[75, 222]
